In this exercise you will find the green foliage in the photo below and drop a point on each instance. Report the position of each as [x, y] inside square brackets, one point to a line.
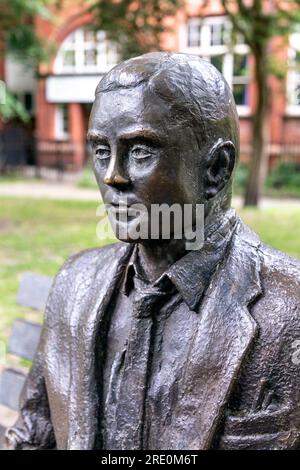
[25, 45]
[17, 29]
[240, 178]
[19, 39]
[40, 236]
[282, 181]
[277, 67]
[285, 176]
[135, 25]
[258, 22]
[12, 108]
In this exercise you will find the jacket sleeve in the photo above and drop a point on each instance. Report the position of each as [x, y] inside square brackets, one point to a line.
[33, 429]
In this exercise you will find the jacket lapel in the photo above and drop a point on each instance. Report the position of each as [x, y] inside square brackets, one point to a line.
[87, 318]
[221, 342]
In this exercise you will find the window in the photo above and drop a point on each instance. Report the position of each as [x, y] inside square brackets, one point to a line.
[86, 51]
[240, 79]
[27, 100]
[210, 38]
[62, 122]
[194, 34]
[293, 76]
[218, 33]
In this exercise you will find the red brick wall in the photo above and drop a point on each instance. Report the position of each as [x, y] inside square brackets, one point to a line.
[283, 129]
[68, 19]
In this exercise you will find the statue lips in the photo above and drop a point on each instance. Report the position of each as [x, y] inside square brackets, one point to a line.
[118, 208]
[120, 204]
[122, 208]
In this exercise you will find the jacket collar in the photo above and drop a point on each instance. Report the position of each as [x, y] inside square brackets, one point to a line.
[192, 273]
[222, 340]
[220, 343]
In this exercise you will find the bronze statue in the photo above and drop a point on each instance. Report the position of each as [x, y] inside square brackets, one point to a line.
[148, 345]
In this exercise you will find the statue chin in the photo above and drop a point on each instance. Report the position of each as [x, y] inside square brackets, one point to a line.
[137, 230]
[127, 231]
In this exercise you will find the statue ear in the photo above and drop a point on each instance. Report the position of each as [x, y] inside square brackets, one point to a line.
[219, 167]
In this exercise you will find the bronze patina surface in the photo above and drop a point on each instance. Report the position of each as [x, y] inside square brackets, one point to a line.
[146, 345]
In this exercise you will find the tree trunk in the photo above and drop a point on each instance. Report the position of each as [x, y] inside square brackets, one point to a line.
[260, 133]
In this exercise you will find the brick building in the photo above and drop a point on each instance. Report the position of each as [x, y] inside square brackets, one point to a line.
[60, 96]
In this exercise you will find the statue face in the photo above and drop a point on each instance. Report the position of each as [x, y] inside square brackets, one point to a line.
[142, 154]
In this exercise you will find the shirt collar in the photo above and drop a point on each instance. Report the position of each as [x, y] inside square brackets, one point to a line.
[191, 274]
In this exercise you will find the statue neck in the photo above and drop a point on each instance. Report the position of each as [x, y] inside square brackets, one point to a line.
[156, 258]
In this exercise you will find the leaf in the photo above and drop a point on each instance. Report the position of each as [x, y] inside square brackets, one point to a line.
[12, 108]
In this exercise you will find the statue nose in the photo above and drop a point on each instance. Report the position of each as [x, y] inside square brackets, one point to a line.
[114, 176]
[115, 179]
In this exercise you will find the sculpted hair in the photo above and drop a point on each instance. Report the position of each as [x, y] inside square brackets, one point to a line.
[196, 91]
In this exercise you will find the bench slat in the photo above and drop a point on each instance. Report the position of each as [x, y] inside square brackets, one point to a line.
[11, 384]
[24, 339]
[33, 290]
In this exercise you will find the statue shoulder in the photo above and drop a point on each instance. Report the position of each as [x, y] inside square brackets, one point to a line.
[280, 279]
[277, 269]
[279, 276]
[80, 270]
[282, 268]
[90, 259]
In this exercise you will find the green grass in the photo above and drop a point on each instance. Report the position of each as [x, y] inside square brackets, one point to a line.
[11, 178]
[282, 181]
[87, 179]
[38, 235]
[278, 227]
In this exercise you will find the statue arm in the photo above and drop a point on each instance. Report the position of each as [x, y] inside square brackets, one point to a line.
[33, 429]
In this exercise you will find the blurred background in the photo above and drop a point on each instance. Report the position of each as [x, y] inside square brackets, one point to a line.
[52, 55]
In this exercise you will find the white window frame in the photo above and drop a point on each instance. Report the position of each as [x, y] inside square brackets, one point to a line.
[60, 132]
[205, 50]
[293, 76]
[107, 55]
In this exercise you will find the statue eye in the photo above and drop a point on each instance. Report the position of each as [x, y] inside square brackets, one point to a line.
[140, 152]
[102, 152]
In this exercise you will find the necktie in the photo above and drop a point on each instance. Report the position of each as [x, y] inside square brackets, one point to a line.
[126, 396]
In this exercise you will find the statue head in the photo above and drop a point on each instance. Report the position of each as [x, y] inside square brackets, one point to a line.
[164, 130]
